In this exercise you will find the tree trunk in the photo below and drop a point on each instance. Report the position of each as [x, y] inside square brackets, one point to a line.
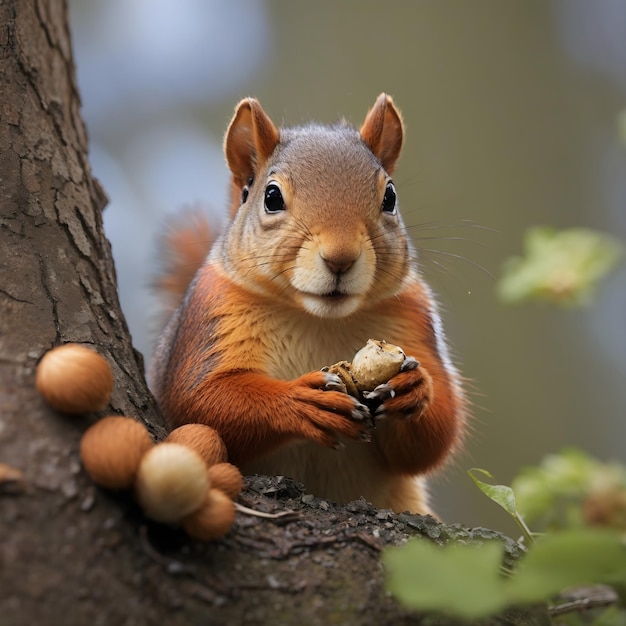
[70, 553]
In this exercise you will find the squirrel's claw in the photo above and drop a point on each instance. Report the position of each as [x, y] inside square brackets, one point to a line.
[361, 412]
[377, 398]
[333, 383]
[410, 363]
[379, 394]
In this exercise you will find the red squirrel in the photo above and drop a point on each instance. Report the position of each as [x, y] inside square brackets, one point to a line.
[314, 262]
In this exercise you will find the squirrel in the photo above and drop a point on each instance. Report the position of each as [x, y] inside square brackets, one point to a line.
[314, 261]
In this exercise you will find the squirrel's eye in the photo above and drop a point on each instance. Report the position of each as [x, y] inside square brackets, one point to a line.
[273, 199]
[389, 201]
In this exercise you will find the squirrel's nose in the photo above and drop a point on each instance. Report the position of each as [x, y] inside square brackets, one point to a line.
[339, 264]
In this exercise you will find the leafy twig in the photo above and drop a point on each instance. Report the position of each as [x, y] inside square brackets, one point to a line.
[503, 496]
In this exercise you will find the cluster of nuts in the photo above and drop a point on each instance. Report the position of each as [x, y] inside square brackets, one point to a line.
[184, 480]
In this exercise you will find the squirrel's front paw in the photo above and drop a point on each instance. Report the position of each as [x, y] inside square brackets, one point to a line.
[328, 411]
[406, 395]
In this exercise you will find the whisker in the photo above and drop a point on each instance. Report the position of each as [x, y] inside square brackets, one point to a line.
[438, 266]
[460, 257]
[454, 238]
[440, 224]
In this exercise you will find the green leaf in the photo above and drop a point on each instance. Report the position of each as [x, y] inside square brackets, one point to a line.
[562, 267]
[567, 559]
[500, 494]
[566, 475]
[461, 580]
[464, 580]
[505, 497]
[553, 491]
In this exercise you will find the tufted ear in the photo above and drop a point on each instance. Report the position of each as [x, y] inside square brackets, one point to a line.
[382, 131]
[250, 140]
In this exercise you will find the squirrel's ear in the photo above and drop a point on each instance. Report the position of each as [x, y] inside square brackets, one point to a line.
[250, 140]
[382, 131]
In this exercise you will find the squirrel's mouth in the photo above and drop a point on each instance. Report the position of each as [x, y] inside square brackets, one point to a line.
[335, 295]
[332, 304]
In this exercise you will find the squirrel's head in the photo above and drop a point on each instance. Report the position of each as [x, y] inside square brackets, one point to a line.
[315, 213]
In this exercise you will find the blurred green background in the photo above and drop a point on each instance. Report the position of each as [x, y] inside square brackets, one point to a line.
[511, 113]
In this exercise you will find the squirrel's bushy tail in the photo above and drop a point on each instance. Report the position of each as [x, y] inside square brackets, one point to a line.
[183, 247]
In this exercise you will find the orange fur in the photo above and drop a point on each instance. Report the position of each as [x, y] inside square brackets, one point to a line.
[288, 290]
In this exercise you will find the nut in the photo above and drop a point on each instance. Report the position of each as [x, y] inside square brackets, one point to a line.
[202, 439]
[111, 451]
[227, 478]
[172, 482]
[74, 379]
[213, 519]
[375, 364]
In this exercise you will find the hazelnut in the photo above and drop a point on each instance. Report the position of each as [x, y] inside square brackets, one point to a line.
[213, 519]
[202, 439]
[375, 364]
[74, 379]
[111, 451]
[172, 482]
[227, 478]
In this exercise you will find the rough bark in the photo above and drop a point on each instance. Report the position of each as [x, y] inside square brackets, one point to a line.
[70, 553]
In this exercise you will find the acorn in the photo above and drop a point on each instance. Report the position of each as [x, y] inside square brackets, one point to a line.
[227, 478]
[202, 439]
[213, 519]
[74, 379]
[172, 482]
[375, 363]
[111, 451]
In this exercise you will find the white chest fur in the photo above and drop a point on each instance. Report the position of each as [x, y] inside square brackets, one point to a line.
[308, 344]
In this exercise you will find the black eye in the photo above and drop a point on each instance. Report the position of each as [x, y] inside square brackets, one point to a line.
[273, 199]
[389, 201]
